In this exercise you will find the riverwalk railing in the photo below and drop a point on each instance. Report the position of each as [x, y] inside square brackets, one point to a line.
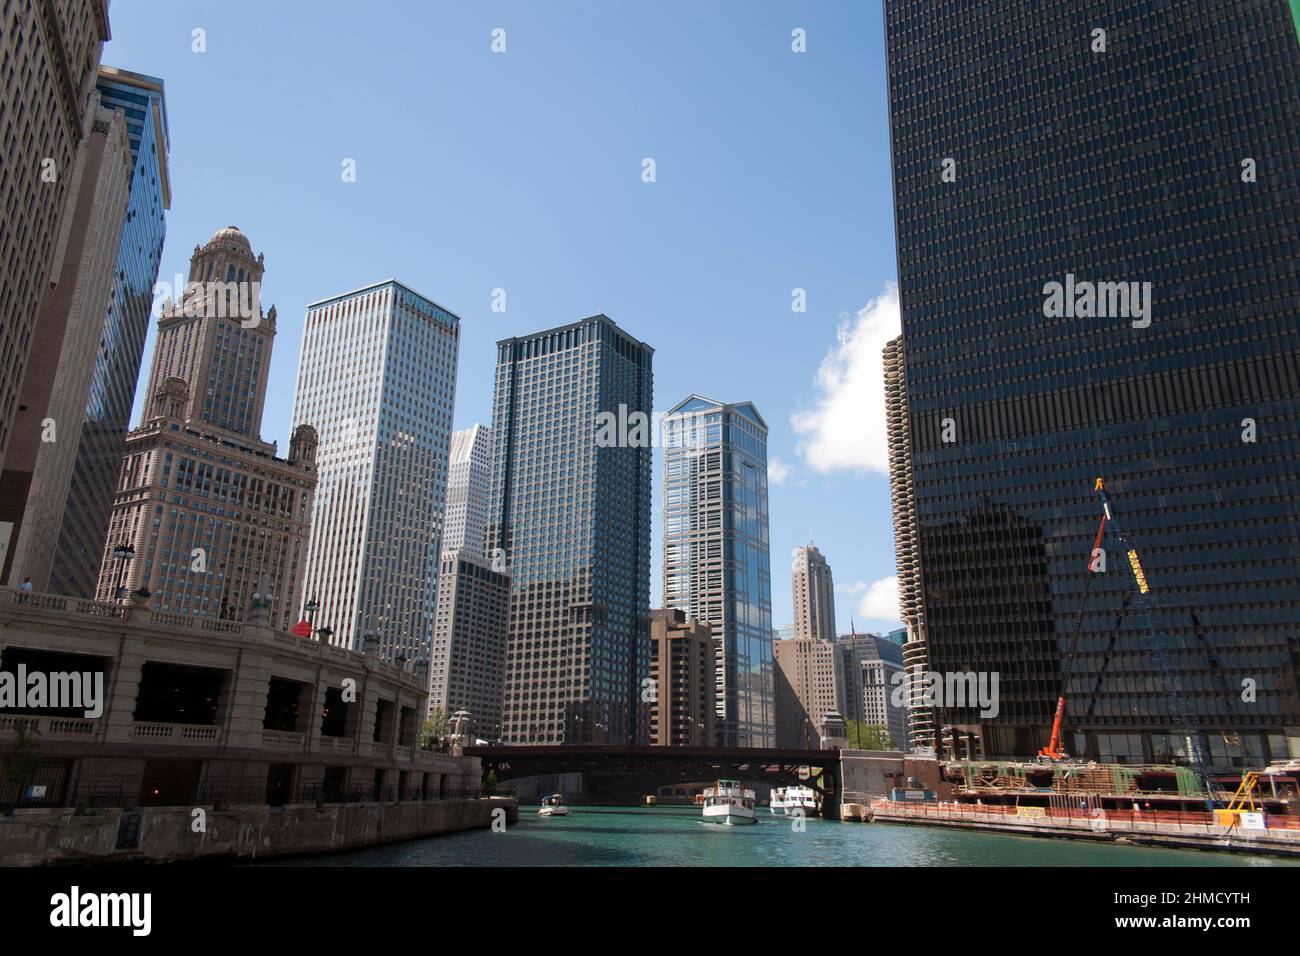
[1079, 818]
[115, 794]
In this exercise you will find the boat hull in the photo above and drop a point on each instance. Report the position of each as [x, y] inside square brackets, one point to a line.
[730, 816]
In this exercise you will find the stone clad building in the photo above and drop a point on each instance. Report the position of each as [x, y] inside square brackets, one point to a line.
[814, 594]
[38, 466]
[467, 665]
[49, 54]
[681, 666]
[212, 515]
[197, 711]
[809, 685]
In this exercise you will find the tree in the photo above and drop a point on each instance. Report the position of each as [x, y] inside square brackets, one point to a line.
[865, 736]
[434, 730]
[20, 768]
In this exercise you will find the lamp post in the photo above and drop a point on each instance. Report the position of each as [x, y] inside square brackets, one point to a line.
[124, 553]
[261, 604]
[311, 607]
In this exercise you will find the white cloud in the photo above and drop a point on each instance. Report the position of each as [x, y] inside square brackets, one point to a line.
[778, 472]
[845, 428]
[879, 601]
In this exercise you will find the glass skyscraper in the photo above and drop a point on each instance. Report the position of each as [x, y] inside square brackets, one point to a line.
[1097, 208]
[569, 520]
[717, 558]
[121, 343]
[377, 377]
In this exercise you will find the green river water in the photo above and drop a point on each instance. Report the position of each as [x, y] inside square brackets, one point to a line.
[677, 836]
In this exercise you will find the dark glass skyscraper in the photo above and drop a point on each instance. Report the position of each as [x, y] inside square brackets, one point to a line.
[121, 343]
[569, 520]
[1098, 225]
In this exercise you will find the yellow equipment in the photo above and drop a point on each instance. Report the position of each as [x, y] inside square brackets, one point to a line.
[1243, 801]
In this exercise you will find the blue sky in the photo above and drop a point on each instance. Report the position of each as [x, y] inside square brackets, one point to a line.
[522, 170]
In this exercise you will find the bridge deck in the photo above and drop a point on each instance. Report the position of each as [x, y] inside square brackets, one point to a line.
[562, 752]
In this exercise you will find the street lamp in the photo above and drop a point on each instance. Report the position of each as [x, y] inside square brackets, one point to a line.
[124, 553]
[311, 607]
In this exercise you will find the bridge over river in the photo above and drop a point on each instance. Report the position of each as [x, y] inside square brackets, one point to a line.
[669, 765]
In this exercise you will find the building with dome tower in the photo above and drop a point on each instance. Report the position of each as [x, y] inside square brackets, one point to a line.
[206, 518]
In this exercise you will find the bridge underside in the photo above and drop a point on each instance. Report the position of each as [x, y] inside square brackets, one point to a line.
[664, 765]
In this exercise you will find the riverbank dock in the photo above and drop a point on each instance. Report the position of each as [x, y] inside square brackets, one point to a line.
[1156, 828]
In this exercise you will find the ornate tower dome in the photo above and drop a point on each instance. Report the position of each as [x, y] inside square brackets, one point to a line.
[226, 257]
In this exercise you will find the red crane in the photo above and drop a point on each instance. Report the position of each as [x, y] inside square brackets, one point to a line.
[1053, 750]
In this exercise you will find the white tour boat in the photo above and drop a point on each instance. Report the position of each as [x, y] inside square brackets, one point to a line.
[779, 800]
[726, 802]
[553, 806]
[800, 798]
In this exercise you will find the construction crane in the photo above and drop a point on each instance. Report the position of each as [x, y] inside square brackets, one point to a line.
[1243, 801]
[1054, 750]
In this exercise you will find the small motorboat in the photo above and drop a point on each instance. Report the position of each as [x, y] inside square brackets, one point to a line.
[553, 806]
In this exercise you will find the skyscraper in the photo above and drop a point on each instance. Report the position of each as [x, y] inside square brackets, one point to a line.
[920, 716]
[814, 595]
[869, 667]
[206, 517]
[108, 401]
[377, 376]
[43, 440]
[681, 666]
[468, 660]
[571, 517]
[49, 64]
[1096, 227]
[809, 685]
[469, 480]
[717, 562]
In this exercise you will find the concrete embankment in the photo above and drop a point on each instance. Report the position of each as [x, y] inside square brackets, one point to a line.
[173, 834]
[1105, 827]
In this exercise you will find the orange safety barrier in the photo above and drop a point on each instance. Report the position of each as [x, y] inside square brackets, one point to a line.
[1192, 817]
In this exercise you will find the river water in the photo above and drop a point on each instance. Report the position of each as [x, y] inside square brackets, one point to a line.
[677, 836]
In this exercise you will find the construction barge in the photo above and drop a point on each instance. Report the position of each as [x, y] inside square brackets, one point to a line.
[1151, 805]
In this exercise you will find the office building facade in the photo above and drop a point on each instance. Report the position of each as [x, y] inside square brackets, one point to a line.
[467, 666]
[809, 686]
[717, 556]
[206, 518]
[108, 401]
[814, 595]
[1095, 218]
[377, 376]
[570, 519]
[49, 54]
[681, 668]
[34, 485]
[870, 666]
[469, 481]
